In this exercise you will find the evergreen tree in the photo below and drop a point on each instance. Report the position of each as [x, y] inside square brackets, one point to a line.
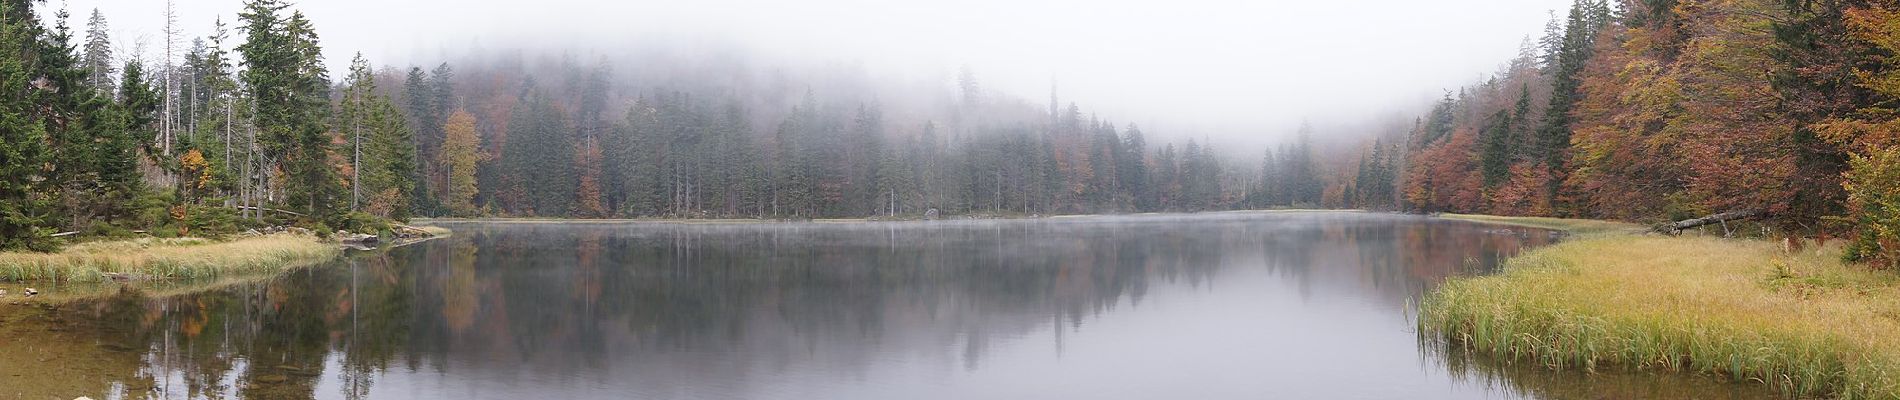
[288, 87]
[382, 147]
[1132, 169]
[1167, 179]
[1495, 152]
[1821, 59]
[539, 156]
[353, 114]
[1439, 126]
[98, 52]
[221, 98]
[865, 159]
[1587, 18]
[22, 137]
[132, 119]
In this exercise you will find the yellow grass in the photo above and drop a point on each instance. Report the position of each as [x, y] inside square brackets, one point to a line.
[1802, 322]
[166, 258]
[1580, 227]
[435, 231]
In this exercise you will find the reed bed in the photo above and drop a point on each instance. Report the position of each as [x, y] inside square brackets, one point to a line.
[164, 259]
[1801, 321]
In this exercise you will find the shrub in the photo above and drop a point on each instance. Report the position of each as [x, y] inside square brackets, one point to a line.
[212, 221]
[151, 210]
[361, 222]
[1873, 195]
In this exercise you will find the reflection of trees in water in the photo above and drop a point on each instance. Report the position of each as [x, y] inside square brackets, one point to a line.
[684, 304]
[1394, 259]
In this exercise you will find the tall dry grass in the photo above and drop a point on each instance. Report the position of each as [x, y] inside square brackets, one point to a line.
[188, 258]
[1802, 322]
[1578, 227]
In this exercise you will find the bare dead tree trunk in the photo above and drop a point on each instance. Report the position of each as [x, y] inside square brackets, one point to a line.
[1678, 226]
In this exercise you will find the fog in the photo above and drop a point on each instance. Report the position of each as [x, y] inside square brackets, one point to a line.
[1236, 72]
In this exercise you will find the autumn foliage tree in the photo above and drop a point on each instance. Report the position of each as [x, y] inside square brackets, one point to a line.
[461, 151]
[1872, 136]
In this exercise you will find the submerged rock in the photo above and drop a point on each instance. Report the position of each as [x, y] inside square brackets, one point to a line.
[123, 277]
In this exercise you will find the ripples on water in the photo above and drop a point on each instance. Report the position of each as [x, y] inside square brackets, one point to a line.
[1235, 305]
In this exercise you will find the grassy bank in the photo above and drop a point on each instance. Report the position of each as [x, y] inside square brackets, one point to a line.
[187, 258]
[1802, 322]
[1579, 227]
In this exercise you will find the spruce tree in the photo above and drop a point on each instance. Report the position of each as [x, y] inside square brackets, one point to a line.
[1587, 18]
[1495, 148]
[539, 156]
[1132, 169]
[98, 52]
[23, 154]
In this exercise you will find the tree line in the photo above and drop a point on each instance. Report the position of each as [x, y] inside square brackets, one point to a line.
[245, 127]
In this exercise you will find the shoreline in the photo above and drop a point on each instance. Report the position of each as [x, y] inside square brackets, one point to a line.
[1748, 310]
[420, 222]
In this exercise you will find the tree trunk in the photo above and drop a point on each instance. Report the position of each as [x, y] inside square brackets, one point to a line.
[1678, 226]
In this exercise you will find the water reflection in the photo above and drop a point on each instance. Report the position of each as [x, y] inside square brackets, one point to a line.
[1232, 305]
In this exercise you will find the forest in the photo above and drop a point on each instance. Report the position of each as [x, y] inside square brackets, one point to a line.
[1660, 110]
[1641, 110]
[247, 128]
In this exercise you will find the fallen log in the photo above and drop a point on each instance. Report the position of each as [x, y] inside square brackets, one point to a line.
[271, 210]
[1678, 226]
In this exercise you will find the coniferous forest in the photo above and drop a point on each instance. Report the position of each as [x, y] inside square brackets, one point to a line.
[1640, 110]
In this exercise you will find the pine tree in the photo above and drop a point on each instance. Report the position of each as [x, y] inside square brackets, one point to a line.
[430, 135]
[132, 119]
[1168, 179]
[353, 114]
[1132, 169]
[288, 86]
[391, 168]
[866, 151]
[539, 156]
[1821, 59]
[382, 147]
[1495, 152]
[221, 99]
[23, 155]
[1271, 190]
[1439, 126]
[1587, 18]
[98, 52]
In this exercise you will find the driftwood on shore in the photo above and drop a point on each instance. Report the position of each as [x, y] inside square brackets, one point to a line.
[1678, 226]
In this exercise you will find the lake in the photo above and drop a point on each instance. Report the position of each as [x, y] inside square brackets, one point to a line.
[1213, 306]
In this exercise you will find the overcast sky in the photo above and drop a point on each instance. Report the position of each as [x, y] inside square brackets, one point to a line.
[1216, 67]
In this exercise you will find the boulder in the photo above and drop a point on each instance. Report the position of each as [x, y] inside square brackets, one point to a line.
[356, 238]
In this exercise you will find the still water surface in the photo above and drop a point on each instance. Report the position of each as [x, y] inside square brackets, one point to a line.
[1219, 306]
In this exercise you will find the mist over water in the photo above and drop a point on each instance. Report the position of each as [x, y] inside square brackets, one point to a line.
[1236, 305]
[1236, 72]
